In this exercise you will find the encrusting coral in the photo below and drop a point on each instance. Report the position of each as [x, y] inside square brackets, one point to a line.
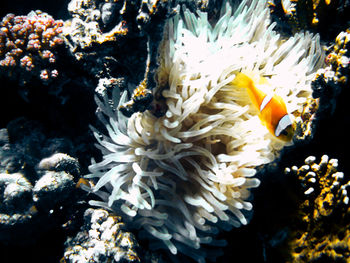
[97, 22]
[28, 46]
[84, 29]
[102, 238]
[316, 237]
[108, 40]
[181, 177]
[337, 60]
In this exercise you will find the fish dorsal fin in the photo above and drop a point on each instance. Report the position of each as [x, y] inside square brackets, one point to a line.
[242, 81]
[263, 81]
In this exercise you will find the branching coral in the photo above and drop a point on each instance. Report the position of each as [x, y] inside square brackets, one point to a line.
[183, 176]
[315, 239]
[27, 46]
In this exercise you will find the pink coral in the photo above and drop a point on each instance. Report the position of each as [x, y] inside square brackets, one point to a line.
[27, 45]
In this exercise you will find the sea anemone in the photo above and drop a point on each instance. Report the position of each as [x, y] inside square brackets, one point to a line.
[181, 177]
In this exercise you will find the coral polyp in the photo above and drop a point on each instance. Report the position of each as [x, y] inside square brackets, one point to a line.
[28, 44]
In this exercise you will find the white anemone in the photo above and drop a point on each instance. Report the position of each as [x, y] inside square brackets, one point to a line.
[181, 177]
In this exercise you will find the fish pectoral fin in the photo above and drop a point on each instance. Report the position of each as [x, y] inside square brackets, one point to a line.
[262, 120]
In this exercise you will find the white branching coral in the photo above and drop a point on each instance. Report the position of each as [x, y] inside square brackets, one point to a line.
[181, 177]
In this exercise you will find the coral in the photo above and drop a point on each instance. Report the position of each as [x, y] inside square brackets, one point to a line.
[28, 46]
[96, 22]
[183, 176]
[338, 59]
[109, 39]
[141, 100]
[26, 204]
[142, 97]
[32, 188]
[84, 29]
[106, 85]
[51, 188]
[324, 16]
[102, 238]
[326, 200]
[60, 162]
[303, 14]
[330, 80]
[16, 190]
[306, 120]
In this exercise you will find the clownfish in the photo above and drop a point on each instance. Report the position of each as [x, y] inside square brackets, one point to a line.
[272, 109]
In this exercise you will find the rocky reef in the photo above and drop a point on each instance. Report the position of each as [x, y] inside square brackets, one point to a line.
[189, 151]
[102, 239]
[37, 184]
[296, 15]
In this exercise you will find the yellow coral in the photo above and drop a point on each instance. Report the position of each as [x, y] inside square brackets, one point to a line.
[314, 238]
[304, 14]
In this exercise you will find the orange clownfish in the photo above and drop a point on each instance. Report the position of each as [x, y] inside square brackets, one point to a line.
[272, 109]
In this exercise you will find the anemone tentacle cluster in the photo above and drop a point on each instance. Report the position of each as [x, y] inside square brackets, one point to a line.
[183, 176]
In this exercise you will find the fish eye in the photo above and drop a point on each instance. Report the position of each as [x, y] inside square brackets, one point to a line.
[284, 132]
[287, 133]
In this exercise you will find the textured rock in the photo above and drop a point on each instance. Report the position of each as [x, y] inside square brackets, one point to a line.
[31, 189]
[103, 238]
